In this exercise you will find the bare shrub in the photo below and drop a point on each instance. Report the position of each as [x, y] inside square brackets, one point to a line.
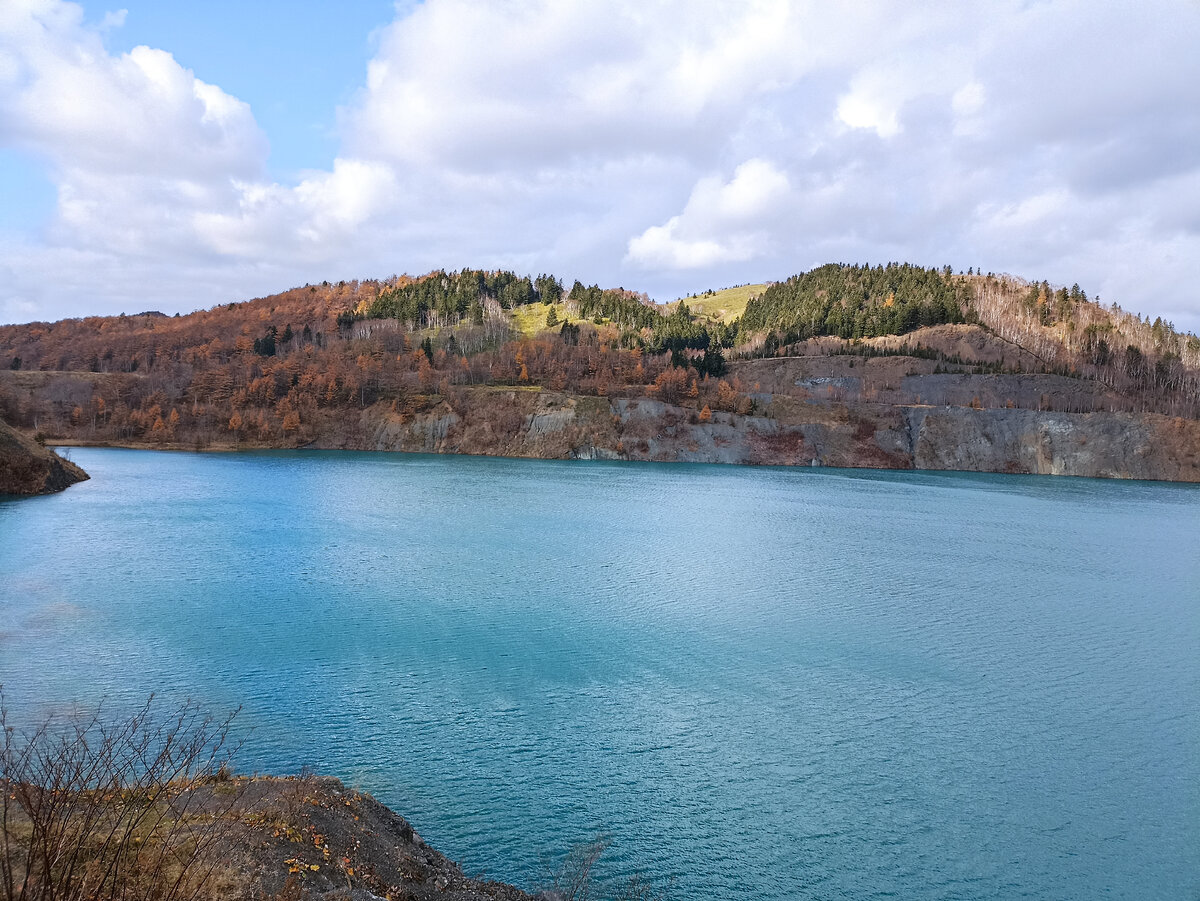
[133, 808]
[575, 879]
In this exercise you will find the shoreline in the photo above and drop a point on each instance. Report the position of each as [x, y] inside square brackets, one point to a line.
[231, 449]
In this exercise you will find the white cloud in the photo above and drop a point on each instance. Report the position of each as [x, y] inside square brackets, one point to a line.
[322, 213]
[722, 222]
[662, 246]
[669, 145]
[64, 96]
[864, 109]
[969, 99]
[113, 19]
[543, 83]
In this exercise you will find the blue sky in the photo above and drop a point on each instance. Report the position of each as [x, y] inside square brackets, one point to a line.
[294, 63]
[177, 155]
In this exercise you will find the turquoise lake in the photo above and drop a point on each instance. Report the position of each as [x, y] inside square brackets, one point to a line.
[761, 683]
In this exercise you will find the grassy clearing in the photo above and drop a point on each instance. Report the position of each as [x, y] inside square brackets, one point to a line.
[531, 318]
[724, 305]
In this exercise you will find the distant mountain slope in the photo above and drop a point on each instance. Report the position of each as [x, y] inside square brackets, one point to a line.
[27, 468]
[456, 361]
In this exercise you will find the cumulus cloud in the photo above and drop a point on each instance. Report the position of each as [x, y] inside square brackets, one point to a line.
[542, 84]
[160, 176]
[670, 145]
[63, 95]
[721, 223]
[325, 208]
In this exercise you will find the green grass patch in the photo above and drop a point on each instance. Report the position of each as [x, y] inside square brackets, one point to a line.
[725, 305]
[530, 318]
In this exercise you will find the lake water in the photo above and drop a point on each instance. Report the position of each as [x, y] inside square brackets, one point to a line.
[761, 683]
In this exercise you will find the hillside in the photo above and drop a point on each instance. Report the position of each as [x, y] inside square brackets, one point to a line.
[894, 366]
[725, 305]
[28, 468]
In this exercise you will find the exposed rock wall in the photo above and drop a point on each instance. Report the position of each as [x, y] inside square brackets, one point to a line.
[1104, 445]
[885, 412]
[559, 426]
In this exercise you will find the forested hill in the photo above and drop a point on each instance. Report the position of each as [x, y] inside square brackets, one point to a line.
[298, 367]
[858, 302]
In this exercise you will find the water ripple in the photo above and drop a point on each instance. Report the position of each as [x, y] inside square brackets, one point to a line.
[781, 683]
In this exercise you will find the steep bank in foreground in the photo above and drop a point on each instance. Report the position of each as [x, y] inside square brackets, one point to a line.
[28, 468]
[313, 838]
[224, 838]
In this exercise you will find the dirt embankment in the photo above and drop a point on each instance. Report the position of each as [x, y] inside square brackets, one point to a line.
[28, 468]
[315, 839]
[227, 838]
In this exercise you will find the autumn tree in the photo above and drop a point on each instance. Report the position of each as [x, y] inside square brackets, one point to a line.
[671, 385]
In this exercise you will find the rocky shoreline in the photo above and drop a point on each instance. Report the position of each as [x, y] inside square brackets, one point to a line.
[27, 468]
[886, 412]
[553, 426]
[949, 397]
[793, 432]
[314, 838]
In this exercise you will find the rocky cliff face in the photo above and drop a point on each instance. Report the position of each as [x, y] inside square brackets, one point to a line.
[793, 432]
[28, 468]
[1101, 445]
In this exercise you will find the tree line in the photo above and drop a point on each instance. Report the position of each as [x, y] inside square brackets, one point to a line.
[852, 301]
[281, 368]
